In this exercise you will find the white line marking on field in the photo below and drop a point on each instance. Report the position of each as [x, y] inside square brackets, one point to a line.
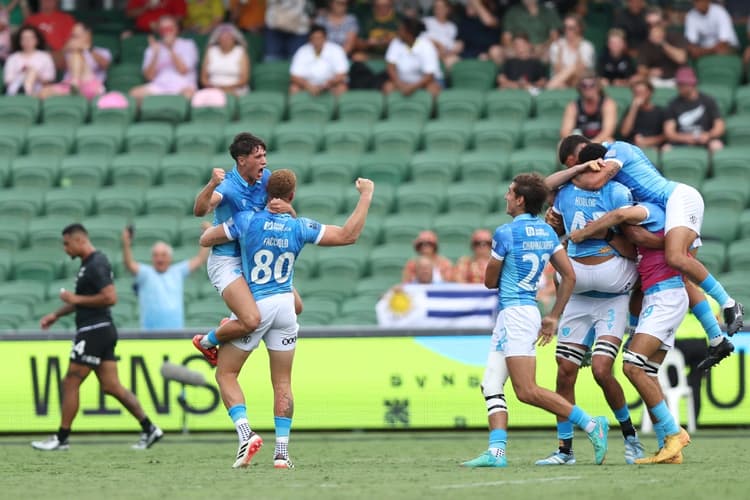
[509, 481]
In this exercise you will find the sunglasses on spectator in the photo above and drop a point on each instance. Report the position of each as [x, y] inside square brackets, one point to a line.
[421, 244]
[571, 26]
[481, 243]
[587, 84]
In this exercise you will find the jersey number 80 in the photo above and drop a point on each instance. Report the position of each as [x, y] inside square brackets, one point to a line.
[265, 267]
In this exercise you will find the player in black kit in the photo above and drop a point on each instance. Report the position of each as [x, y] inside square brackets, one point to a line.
[95, 340]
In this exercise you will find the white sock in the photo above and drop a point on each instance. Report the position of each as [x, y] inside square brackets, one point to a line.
[716, 341]
[497, 452]
[729, 303]
[590, 426]
[243, 429]
[205, 343]
[282, 447]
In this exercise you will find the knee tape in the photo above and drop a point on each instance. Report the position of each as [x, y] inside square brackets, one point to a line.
[605, 348]
[495, 376]
[570, 353]
[652, 368]
[634, 358]
[495, 402]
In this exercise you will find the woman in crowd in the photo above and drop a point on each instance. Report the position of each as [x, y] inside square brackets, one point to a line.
[226, 65]
[471, 268]
[29, 68]
[413, 61]
[426, 245]
[341, 26]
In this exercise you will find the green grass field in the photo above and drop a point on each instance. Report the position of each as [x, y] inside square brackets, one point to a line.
[368, 465]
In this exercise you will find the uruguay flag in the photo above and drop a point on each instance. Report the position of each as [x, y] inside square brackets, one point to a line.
[448, 305]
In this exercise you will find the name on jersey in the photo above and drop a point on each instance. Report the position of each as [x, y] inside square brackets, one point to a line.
[275, 226]
[581, 201]
[538, 245]
[276, 242]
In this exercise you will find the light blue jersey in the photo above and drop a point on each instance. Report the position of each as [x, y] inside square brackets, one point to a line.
[270, 243]
[578, 207]
[525, 245]
[639, 174]
[160, 296]
[237, 195]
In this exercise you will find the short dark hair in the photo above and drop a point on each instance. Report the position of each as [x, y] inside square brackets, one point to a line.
[318, 27]
[41, 44]
[591, 151]
[568, 146]
[74, 228]
[533, 190]
[413, 25]
[244, 144]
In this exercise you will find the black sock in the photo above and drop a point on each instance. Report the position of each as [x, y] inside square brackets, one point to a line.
[62, 434]
[627, 428]
[146, 425]
[565, 446]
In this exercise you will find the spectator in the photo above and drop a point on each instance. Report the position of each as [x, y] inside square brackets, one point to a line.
[248, 15]
[643, 124]
[693, 117]
[147, 13]
[615, 65]
[426, 245]
[341, 27]
[203, 16]
[376, 31]
[424, 271]
[632, 20]
[226, 65]
[709, 30]
[522, 71]
[663, 53]
[470, 268]
[593, 114]
[169, 64]
[29, 67]
[160, 285]
[413, 61]
[443, 32]
[55, 25]
[540, 22]
[319, 66]
[85, 66]
[479, 30]
[570, 55]
[287, 26]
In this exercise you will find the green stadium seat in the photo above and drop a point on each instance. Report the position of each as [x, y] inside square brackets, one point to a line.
[719, 69]
[296, 137]
[738, 130]
[460, 105]
[271, 76]
[109, 41]
[452, 228]
[446, 136]
[742, 100]
[319, 201]
[148, 229]
[105, 231]
[508, 105]
[732, 162]
[720, 224]
[187, 169]
[261, 130]
[552, 103]
[99, 139]
[306, 108]
[85, 170]
[416, 107]
[136, 170]
[22, 292]
[215, 115]
[5, 167]
[381, 204]
[386, 266]
[190, 231]
[70, 110]
[744, 225]
[298, 162]
[334, 169]
[6, 262]
[405, 227]
[114, 116]
[735, 282]
[262, 107]
[483, 166]
[622, 96]
[330, 287]
[540, 160]
[346, 137]
[685, 164]
[386, 167]
[35, 172]
[543, 133]
[493, 220]
[496, 136]
[50, 140]
[133, 48]
[19, 110]
[348, 263]
[169, 200]
[12, 237]
[473, 74]
[396, 136]
[472, 197]
[725, 192]
[663, 96]
[22, 203]
[173, 109]
[654, 156]
[120, 200]
[306, 264]
[364, 106]
[12, 140]
[43, 264]
[73, 202]
[713, 255]
[13, 314]
[434, 168]
[206, 312]
[359, 305]
[318, 311]
[421, 198]
[738, 258]
[722, 94]
[197, 138]
[149, 138]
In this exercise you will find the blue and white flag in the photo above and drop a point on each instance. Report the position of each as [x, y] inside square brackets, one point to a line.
[438, 305]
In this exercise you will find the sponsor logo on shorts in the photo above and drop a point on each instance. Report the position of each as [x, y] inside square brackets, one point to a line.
[237, 271]
[693, 219]
[565, 331]
[288, 340]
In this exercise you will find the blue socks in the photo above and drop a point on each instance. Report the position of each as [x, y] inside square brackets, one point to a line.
[498, 438]
[714, 289]
[212, 338]
[660, 434]
[565, 430]
[702, 311]
[582, 419]
[237, 412]
[664, 418]
[623, 414]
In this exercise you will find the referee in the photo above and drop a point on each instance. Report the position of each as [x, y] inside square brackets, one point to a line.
[95, 340]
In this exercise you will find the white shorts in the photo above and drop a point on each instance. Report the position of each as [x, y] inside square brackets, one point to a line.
[662, 314]
[278, 325]
[617, 275]
[684, 209]
[516, 331]
[606, 316]
[222, 270]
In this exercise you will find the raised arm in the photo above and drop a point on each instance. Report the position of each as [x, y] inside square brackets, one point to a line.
[127, 253]
[600, 172]
[624, 215]
[208, 198]
[352, 228]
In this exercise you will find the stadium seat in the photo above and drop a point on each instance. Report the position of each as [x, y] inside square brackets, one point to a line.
[99, 139]
[732, 162]
[190, 230]
[198, 138]
[148, 229]
[73, 202]
[363, 106]
[35, 172]
[19, 110]
[319, 201]
[335, 169]
[164, 108]
[331, 287]
[542, 133]
[725, 192]
[405, 227]
[168, 200]
[318, 311]
[70, 110]
[514, 105]
[85, 170]
[452, 228]
[722, 94]
[12, 140]
[446, 136]
[348, 263]
[386, 265]
[540, 160]
[206, 312]
[744, 225]
[306, 264]
[12, 237]
[416, 107]
[663, 96]
[420, 198]
[386, 167]
[346, 137]
[271, 76]
[215, 115]
[396, 136]
[738, 258]
[43, 264]
[306, 108]
[13, 314]
[120, 200]
[473, 74]
[262, 107]
[713, 255]
[136, 170]
[296, 137]
[261, 130]
[742, 100]
[460, 105]
[133, 48]
[381, 204]
[298, 162]
[472, 197]
[720, 224]
[483, 166]
[22, 203]
[105, 231]
[149, 138]
[109, 41]
[186, 169]
[738, 130]
[552, 103]
[493, 220]
[722, 69]
[6, 262]
[22, 292]
[685, 164]
[50, 140]
[5, 167]
[496, 136]
[622, 96]
[114, 116]
[435, 168]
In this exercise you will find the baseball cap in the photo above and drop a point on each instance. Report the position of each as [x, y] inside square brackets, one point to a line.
[685, 76]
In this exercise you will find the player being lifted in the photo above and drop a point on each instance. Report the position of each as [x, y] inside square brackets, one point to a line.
[520, 251]
[270, 243]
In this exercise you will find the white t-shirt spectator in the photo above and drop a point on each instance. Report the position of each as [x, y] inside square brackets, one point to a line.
[708, 30]
[17, 65]
[413, 63]
[168, 79]
[561, 53]
[318, 69]
[442, 33]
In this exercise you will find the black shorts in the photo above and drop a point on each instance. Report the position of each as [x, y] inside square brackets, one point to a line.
[91, 347]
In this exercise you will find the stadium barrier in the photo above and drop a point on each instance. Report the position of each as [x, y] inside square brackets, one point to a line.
[364, 378]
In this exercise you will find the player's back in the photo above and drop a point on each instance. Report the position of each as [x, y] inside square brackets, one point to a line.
[639, 174]
[237, 196]
[525, 245]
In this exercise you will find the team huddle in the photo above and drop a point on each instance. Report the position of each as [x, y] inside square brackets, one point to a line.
[628, 265]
